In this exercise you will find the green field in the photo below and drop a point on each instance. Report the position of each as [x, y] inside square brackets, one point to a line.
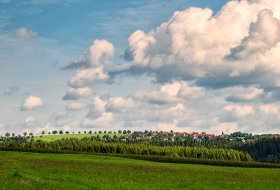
[20, 170]
[78, 136]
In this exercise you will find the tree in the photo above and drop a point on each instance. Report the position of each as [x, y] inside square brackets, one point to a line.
[43, 132]
[124, 132]
[119, 131]
[60, 132]
[30, 134]
[67, 132]
[49, 133]
[13, 134]
[25, 134]
[79, 132]
[128, 131]
[90, 132]
[7, 134]
[85, 132]
[54, 132]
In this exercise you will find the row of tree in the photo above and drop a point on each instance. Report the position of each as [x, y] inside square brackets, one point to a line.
[87, 145]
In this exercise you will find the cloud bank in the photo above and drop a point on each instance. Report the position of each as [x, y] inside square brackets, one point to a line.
[214, 72]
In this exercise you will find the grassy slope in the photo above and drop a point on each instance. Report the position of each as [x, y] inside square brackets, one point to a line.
[20, 170]
[78, 136]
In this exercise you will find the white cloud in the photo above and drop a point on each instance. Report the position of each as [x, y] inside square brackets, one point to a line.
[239, 110]
[269, 109]
[76, 93]
[24, 33]
[106, 120]
[119, 104]
[227, 127]
[170, 92]
[30, 121]
[75, 106]
[214, 71]
[93, 62]
[99, 53]
[237, 46]
[31, 102]
[243, 94]
[210, 112]
[85, 77]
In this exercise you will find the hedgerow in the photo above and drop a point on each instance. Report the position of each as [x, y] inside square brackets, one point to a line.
[86, 145]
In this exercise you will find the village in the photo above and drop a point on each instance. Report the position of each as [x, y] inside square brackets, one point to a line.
[139, 136]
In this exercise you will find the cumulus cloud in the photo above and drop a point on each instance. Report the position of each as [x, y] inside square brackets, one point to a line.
[100, 52]
[239, 110]
[210, 111]
[76, 93]
[269, 109]
[75, 106]
[30, 121]
[170, 92]
[31, 102]
[24, 33]
[120, 104]
[243, 94]
[106, 120]
[215, 72]
[85, 77]
[190, 47]
[141, 108]
[92, 65]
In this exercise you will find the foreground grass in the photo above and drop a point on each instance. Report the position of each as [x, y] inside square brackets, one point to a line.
[78, 136]
[19, 170]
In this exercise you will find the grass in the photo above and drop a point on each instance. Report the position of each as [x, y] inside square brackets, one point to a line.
[78, 136]
[21, 170]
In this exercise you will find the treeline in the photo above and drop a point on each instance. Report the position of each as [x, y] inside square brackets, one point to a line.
[264, 149]
[90, 146]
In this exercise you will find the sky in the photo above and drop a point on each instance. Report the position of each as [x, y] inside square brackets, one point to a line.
[182, 65]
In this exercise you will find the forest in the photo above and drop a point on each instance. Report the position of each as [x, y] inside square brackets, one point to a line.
[264, 149]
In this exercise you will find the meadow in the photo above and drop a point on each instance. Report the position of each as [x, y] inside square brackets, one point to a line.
[77, 136]
[22, 170]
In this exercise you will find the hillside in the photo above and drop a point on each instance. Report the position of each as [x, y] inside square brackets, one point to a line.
[78, 136]
[66, 171]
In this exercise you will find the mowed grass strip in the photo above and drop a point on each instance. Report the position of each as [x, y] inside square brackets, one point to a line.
[21, 170]
[78, 136]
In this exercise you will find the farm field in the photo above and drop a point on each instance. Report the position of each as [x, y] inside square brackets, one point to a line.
[78, 136]
[21, 170]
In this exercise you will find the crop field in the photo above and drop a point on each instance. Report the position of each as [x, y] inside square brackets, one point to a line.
[78, 136]
[21, 170]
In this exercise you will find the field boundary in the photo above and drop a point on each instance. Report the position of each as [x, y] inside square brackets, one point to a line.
[162, 159]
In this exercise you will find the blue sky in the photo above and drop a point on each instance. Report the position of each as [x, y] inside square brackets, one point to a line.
[158, 65]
